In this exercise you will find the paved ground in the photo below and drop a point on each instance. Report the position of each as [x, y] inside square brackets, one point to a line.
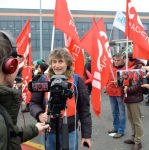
[100, 139]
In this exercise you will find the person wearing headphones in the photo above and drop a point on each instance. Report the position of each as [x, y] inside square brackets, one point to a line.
[60, 63]
[11, 136]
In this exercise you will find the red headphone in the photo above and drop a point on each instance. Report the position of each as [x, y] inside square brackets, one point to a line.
[10, 64]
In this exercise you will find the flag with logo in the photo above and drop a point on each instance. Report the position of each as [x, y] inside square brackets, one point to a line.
[77, 54]
[135, 31]
[101, 61]
[23, 43]
[64, 22]
[119, 21]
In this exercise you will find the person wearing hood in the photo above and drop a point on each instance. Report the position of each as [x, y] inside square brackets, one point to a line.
[115, 96]
[133, 101]
[11, 135]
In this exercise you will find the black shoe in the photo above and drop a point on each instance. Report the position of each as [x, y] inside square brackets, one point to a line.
[137, 147]
[129, 141]
[112, 131]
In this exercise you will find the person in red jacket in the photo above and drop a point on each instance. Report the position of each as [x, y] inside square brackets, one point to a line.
[116, 101]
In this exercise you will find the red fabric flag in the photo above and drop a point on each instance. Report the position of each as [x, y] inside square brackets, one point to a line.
[77, 54]
[134, 31]
[86, 41]
[23, 43]
[101, 61]
[63, 20]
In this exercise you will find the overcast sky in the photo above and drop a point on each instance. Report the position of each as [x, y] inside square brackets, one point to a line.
[100, 5]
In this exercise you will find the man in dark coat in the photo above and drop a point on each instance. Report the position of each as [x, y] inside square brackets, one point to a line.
[133, 98]
[11, 136]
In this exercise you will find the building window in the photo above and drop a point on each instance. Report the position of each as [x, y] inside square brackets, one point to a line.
[3, 25]
[33, 25]
[18, 25]
[79, 26]
[109, 26]
[10, 25]
[146, 27]
[46, 25]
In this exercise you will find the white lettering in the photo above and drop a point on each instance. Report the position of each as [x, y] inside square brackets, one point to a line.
[138, 30]
[97, 75]
[100, 54]
[147, 38]
[131, 15]
[143, 33]
[71, 23]
[96, 84]
[76, 48]
[107, 47]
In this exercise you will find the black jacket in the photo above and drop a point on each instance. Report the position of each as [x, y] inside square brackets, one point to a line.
[37, 106]
[135, 92]
[10, 100]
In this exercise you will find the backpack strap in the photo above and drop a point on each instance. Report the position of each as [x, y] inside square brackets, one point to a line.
[7, 126]
[76, 78]
[43, 77]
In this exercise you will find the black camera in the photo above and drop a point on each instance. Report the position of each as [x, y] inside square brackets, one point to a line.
[59, 89]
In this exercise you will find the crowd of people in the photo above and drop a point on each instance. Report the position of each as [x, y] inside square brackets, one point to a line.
[129, 96]
[77, 106]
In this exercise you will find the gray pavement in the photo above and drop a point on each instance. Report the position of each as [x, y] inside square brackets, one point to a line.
[100, 139]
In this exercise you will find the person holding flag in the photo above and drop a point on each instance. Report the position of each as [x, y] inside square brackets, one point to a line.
[60, 63]
[116, 100]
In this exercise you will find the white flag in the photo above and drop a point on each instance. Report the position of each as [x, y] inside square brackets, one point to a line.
[119, 21]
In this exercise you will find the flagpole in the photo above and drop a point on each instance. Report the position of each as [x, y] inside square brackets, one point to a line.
[53, 35]
[127, 54]
[40, 31]
[110, 33]
[112, 73]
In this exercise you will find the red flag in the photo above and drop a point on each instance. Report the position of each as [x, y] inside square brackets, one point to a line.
[64, 22]
[23, 43]
[134, 31]
[101, 60]
[86, 41]
[77, 54]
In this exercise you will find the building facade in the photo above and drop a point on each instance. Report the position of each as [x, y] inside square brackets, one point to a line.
[15, 19]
